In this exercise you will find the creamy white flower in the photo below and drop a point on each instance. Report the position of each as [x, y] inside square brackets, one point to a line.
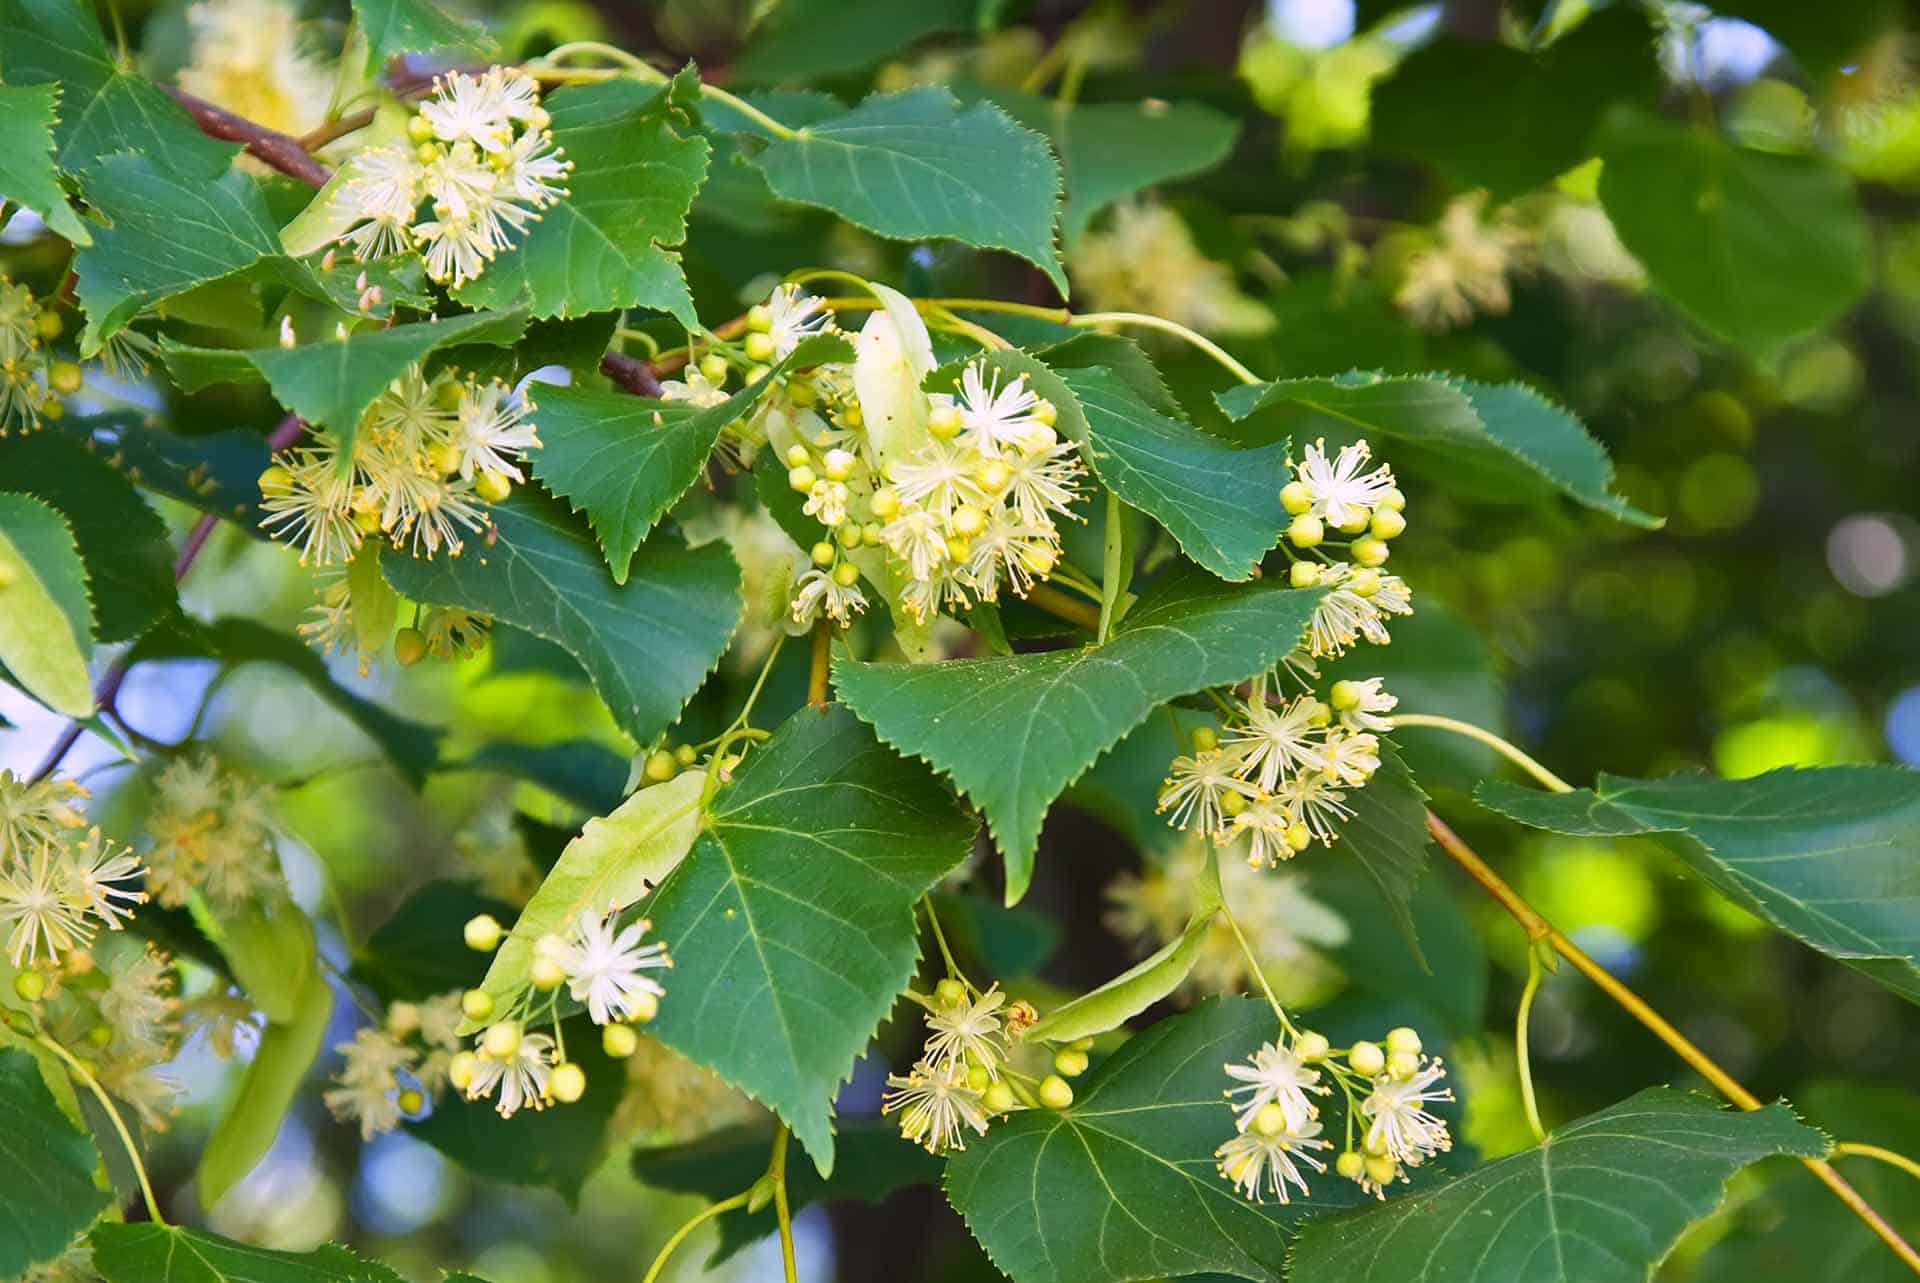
[794, 316]
[940, 477]
[604, 969]
[1252, 1161]
[817, 591]
[967, 1033]
[1351, 757]
[1369, 700]
[997, 417]
[1195, 786]
[520, 1078]
[1400, 1124]
[936, 1106]
[1318, 803]
[491, 430]
[1264, 824]
[368, 1085]
[1341, 492]
[1274, 1075]
[382, 194]
[42, 906]
[1275, 742]
[917, 538]
[1044, 481]
[97, 868]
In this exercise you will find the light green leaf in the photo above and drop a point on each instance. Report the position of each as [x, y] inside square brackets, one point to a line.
[604, 245]
[913, 166]
[1221, 503]
[791, 923]
[1759, 248]
[28, 175]
[894, 353]
[376, 607]
[1127, 1180]
[279, 1065]
[624, 460]
[1500, 442]
[395, 27]
[1014, 731]
[1829, 855]
[1602, 1201]
[612, 863]
[647, 644]
[172, 231]
[104, 107]
[269, 945]
[809, 39]
[128, 555]
[1109, 151]
[46, 616]
[149, 1253]
[1143, 984]
[332, 381]
[40, 1214]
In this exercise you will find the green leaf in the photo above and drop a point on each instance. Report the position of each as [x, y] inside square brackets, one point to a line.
[792, 921]
[1387, 838]
[1759, 248]
[614, 862]
[104, 107]
[412, 747]
[280, 1064]
[604, 245]
[149, 1253]
[874, 1162]
[1112, 150]
[624, 460]
[647, 644]
[1014, 731]
[172, 231]
[331, 382]
[1221, 503]
[395, 27]
[123, 542]
[269, 945]
[376, 607]
[811, 39]
[1501, 442]
[40, 1216]
[1828, 855]
[913, 166]
[1127, 1174]
[1602, 1201]
[28, 175]
[216, 472]
[414, 956]
[584, 772]
[46, 617]
[558, 1147]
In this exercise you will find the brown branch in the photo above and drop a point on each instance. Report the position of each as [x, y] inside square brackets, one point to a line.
[279, 150]
[631, 373]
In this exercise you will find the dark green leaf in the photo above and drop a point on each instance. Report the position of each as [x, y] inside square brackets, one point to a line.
[809, 39]
[122, 541]
[1004, 941]
[1013, 732]
[648, 644]
[913, 166]
[1759, 248]
[1830, 855]
[1501, 442]
[395, 27]
[148, 1253]
[217, 472]
[1602, 1201]
[873, 1163]
[603, 246]
[417, 953]
[411, 747]
[28, 175]
[624, 460]
[1387, 838]
[590, 775]
[792, 920]
[41, 1213]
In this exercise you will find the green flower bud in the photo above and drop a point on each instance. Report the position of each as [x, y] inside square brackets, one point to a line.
[661, 766]
[501, 1040]
[1204, 739]
[1387, 524]
[619, 1041]
[1311, 1047]
[950, 992]
[759, 347]
[483, 932]
[1054, 1092]
[1350, 1165]
[568, 1083]
[1369, 551]
[409, 646]
[477, 1004]
[546, 974]
[998, 1098]
[1295, 498]
[1069, 1062]
[30, 986]
[1366, 1058]
[1303, 574]
[760, 318]
[1403, 1038]
[1306, 531]
[822, 554]
[714, 369]
[1270, 1119]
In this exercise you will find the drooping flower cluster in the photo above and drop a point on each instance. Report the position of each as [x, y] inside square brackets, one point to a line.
[1277, 1123]
[248, 57]
[60, 882]
[1465, 267]
[24, 395]
[479, 158]
[429, 456]
[1328, 498]
[210, 831]
[392, 1071]
[1144, 260]
[956, 1085]
[603, 967]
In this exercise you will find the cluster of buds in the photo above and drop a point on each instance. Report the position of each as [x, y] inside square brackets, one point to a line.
[1329, 498]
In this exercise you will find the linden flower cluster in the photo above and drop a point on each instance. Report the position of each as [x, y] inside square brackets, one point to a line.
[1144, 260]
[58, 884]
[603, 966]
[1465, 267]
[248, 57]
[392, 1070]
[27, 376]
[961, 1080]
[1340, 496]
[429, 456]
[1387, 1089]
[478, 155]
[210, 831]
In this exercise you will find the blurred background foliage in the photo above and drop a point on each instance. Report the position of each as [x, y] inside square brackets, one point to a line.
[1755, 382]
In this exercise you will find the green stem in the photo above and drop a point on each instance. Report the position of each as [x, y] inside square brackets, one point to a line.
[1161, 323]
[653, 75]
[777, 1169]
[1520, 1054]
[679, 1235]
[1112, 570]
[1259, 972]
[940, 938]
[1507, 750]
[81, 1072]
[1887, 1156]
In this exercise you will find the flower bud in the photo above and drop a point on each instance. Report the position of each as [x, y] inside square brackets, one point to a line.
[1366, 1058]
[661, 766]
[1381, 1169]
[760, 318]
[1387, 524]
[30, 986]
[998, 1098]
[849, 535]
[1270, 1119]
[801, 392]
[409, 646]
[993, 476]
[1304, 574]
[1311, 1047]
[886, 502]
[460, 1070]
[944, 422]
[958, 548]
[872, 535]
[1364, 582]
[411, 1101]
[714, 369]
[546, 974]
[48, 324]
[1046, 413]
[1054, 1092]
[759, 347]
[978, 1078]
[821, 554]
[1350, 1165]
[1069, 1062]
[1369, 551]
[1295, 498]
[839, 464]
[846, 574]
[1403, 1038]
[619, 1041]
[494, 487]
[684, 755]
[1344, 695]
[1391, 499]
[968, 521]
[568, 1083]
[482, 933]
[1232, 804]
[801, 478]
[950, 992]
[1356, 522]
[276, 480]
[420, 129]
[1299, 837]
[798, 456]
[755, 373]
[1204, 739]
[1402, 1065]
[1306, 531]
[477, 1004]
[502, 1039]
